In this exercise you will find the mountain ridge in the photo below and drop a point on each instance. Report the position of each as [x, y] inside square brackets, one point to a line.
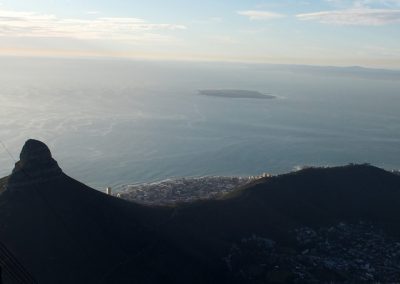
[56, 226]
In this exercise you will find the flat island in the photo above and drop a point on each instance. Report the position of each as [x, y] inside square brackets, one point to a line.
[236, 94]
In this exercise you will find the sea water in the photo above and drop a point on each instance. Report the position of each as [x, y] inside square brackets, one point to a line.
[111, 122]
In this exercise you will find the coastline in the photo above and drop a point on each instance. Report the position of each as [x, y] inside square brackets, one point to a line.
[184, 189]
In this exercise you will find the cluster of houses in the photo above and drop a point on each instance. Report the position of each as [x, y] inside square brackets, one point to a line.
[181, 190]
[349, 253]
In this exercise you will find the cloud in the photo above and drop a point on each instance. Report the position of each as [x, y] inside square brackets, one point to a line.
[364, 3]
[31, 24]
[384, 3]
[222, 39]
[354, 16]
[93, 12]
[256, 15]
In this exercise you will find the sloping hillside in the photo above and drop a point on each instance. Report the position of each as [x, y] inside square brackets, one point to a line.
[65, 232]
[3, 182]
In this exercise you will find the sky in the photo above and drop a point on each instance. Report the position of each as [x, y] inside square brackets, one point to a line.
[325, 32]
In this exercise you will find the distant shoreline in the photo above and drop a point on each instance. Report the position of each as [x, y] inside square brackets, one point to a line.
[183, 190]
[235, 94]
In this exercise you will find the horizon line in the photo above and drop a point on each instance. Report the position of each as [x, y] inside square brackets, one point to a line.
[213, 59]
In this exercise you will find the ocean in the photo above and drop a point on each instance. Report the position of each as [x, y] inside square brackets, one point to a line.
[111, 122]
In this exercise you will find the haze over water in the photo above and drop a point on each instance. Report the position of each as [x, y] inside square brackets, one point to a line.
[113, 122]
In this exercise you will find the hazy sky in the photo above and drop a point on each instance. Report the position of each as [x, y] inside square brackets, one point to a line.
[333, 32]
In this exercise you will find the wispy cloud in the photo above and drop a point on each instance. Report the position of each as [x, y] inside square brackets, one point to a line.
[223, 39]
[383, 3]
[93, 12]
[354, 16]
[31, 24]
[257, 15]
[364, 3]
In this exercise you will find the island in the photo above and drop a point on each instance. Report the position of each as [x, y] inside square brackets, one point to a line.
[236, 94]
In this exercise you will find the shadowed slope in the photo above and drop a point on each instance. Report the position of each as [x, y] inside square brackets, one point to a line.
[315, 196]
[3, 182]
[312, 197]
[66, 232]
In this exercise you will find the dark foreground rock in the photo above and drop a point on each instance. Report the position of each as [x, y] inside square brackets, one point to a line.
[36, 166]
[342, 253]
[336, 224]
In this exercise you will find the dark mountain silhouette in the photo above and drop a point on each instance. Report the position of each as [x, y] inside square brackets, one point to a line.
[3, 182]
[62, 231]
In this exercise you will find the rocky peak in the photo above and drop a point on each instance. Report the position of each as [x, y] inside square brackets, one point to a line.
[35, 165]
[34, 151]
